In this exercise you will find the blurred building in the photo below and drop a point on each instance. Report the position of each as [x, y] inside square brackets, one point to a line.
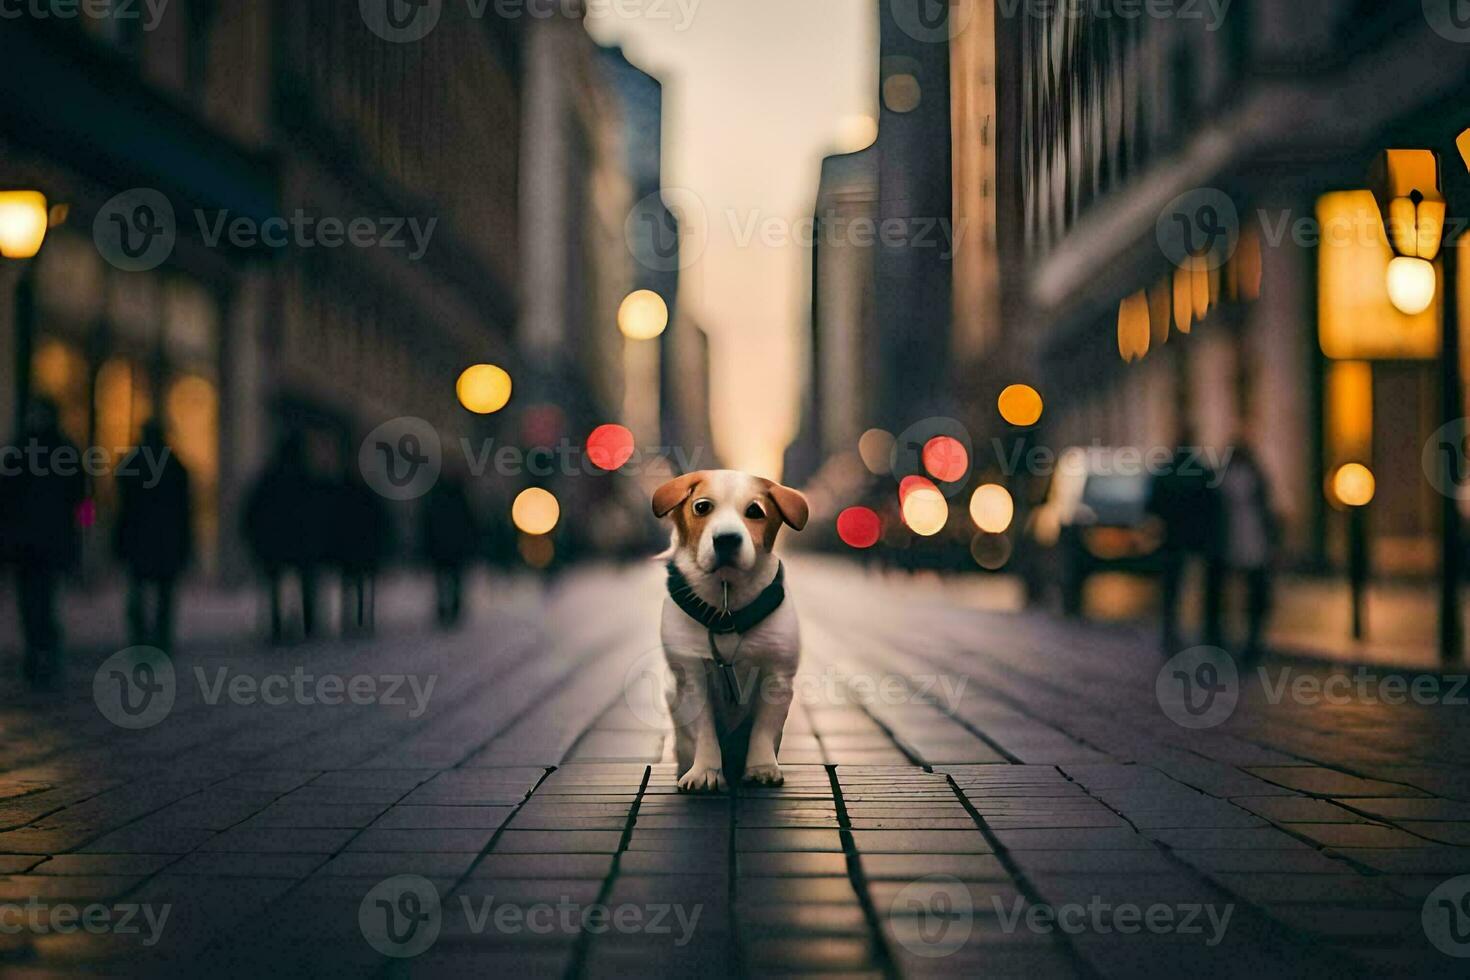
[483, 163]
[1201, 245]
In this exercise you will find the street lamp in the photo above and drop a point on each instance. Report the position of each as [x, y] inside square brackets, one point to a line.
[24, 218]
[1406, 183]
[1414, 195]
[1353, 485]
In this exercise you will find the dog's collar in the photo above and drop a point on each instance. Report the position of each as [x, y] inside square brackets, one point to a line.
[715, 620]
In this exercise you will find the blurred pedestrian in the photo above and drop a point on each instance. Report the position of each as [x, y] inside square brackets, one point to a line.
[40, 492]
[285, 526]
[450, 536]
[1185, 499]
[155, 536]
[358, 545]
[1250, 535]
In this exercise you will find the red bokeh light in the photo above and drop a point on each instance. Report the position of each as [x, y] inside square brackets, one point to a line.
[945, 459]
[609, 446]
[910, 483]
[859, 527]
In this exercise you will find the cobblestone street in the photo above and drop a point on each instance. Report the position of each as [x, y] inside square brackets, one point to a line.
[967, 793]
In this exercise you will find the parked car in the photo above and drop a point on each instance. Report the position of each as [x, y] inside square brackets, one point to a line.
[1094, 519]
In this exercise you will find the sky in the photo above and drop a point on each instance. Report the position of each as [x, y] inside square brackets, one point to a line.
[756, 92]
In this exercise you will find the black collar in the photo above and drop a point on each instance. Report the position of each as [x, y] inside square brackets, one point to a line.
[717, 621]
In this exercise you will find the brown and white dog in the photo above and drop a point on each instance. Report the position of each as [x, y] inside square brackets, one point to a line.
[731, 643]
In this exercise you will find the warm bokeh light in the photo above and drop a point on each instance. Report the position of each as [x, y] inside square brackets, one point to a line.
[610, 446]
[902, 93]
[24, 218]
[1353, 484]
[643, 315]
[945, 459]
[859, 527]
[1133, 326]
[536, 550]
[991, 508]
[911, 483]
[876, 449]
[483, 389]
[990, 551]
[1020, 405]
[535, 511]
[925, 510]
[1411, 285]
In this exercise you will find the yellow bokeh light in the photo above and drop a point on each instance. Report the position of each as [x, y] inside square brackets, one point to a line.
[1353, 484]
[643, 315]
[536, 550]
[925, 511]
[483, 388]
[991, 508]
[24, 218]
[535, 511]
[1411, 285]
[1020, 405]
[876, 449]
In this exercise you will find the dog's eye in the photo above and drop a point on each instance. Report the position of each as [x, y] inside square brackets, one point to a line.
[702, 508]
[755, 512]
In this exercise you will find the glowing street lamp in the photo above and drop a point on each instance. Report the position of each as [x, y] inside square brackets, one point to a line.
[1407, 185]
[1353, 486]
[24, 218]
[643, 315]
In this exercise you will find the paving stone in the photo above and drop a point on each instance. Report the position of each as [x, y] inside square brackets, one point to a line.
[1355, 835]
[104, 864]
[558, 842]
[1086, 839]
[1329, 782]
[353, 864]
[791, 864]
[1299, 809]
[499, 865]
[786, 839]
[450, 840]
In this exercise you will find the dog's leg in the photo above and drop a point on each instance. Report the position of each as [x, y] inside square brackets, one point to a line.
[771, 709]
[695, 715]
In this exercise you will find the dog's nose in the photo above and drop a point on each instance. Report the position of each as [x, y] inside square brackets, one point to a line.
[726, 545]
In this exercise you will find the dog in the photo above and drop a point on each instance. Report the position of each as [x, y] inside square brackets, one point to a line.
[731, 641]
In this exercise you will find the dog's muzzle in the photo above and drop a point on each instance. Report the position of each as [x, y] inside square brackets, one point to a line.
[727, 549]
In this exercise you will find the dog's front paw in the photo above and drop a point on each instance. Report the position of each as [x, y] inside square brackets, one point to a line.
[701, 779]
[764, 775]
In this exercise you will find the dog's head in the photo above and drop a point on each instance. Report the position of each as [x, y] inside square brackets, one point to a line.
[725, 521]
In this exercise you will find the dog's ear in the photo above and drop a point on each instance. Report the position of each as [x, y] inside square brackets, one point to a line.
[791, 504]
[674, 493]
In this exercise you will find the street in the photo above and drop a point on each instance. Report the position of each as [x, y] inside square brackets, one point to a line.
[967, 792]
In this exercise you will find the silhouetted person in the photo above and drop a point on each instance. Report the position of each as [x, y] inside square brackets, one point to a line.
[450, 539]
[40, 492]
[155, 535]
[285, 527]
[1250, 536]
[1185, 500]
[359, 543]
